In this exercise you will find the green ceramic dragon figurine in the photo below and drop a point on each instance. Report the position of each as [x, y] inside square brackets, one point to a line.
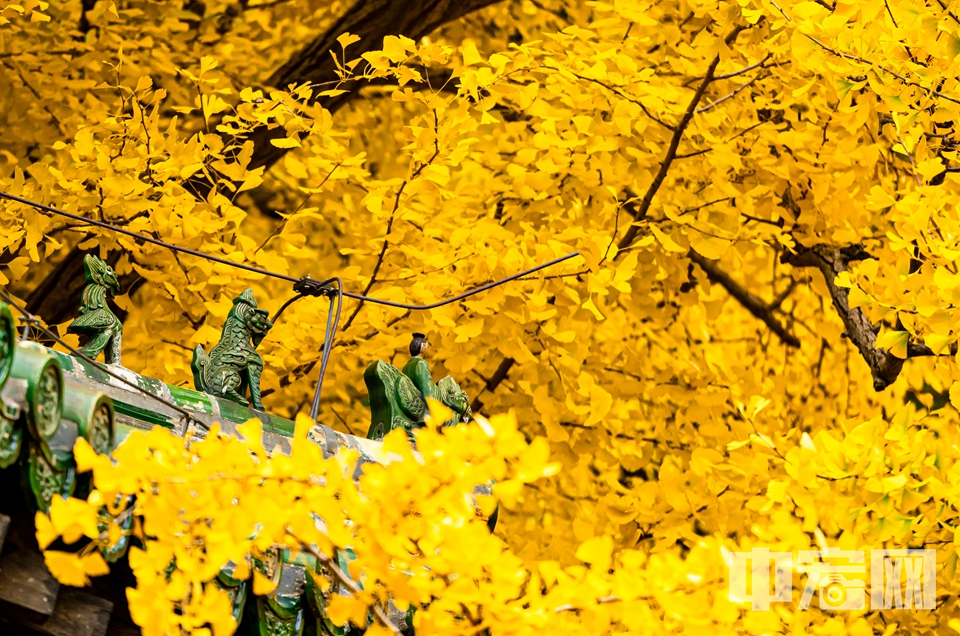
[399, 399]
[234, 364]
[103, 329]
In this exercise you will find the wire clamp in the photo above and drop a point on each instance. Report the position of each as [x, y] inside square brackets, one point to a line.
[310, 287]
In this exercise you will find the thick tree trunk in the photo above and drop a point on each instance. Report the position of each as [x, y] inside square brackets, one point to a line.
[57, 297]
[371, 20]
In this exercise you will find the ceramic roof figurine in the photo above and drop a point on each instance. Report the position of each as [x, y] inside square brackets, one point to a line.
[399, 399]
[102, 328]
[234, 364]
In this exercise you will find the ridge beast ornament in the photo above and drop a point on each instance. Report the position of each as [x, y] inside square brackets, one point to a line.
[234, 364]
[399, 399]
[102, 328]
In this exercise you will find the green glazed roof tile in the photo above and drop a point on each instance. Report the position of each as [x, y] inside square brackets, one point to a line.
[190, 399]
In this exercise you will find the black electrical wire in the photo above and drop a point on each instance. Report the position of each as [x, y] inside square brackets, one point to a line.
[292, 300]
[313, 288]
[466, 294]
[302, 286]
[141, 237]
[31, 319]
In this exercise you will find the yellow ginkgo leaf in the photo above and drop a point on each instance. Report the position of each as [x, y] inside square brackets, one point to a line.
[262, 586]
[597, 552]
[74, 569]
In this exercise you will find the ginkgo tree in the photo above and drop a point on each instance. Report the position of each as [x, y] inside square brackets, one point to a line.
[755, 348]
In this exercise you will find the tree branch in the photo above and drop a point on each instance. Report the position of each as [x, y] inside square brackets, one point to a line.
[346, 581]
[745, 69]
[752, 303]
[831, 260]
[915, 350]
[640, 211]
[734, 93]
[491, 384]
[860, 60]
[619, 91]
[84, 24]
[371, 20]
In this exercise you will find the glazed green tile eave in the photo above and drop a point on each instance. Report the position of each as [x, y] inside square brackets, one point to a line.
[50, 399]
[190, 399]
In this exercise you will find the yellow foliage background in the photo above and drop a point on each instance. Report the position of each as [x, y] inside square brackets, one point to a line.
[691, 373]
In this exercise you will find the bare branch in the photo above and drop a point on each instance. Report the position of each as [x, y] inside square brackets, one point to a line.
[752, 303]
[733, 94]
[745, 69]
[600, 601]
[619, 91]
[831, 260]
[947, 9]
[860, 60]
[778, 301]
[915, 350]
[341, 576]
[640, 211]
[493, 382]
[369, 19]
